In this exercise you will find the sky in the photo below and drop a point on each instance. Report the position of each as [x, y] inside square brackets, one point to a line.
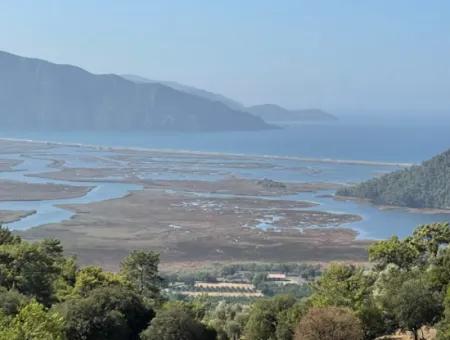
[339, 55]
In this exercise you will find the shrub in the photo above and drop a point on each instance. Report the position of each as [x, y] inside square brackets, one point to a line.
[330, 323]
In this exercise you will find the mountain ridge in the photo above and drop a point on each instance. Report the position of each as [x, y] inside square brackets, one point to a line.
[38, 94]
[189, 89]
[268, 112]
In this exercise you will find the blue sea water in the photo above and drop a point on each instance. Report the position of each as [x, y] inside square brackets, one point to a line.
[399, 142]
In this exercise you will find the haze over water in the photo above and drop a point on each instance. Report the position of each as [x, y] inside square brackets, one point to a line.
[410, 141]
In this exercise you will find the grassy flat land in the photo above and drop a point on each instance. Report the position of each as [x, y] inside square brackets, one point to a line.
[185, 228]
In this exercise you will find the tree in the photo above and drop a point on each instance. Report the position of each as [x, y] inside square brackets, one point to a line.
[439, 270]
[175, 322]
[415, 305]
[199, 306]
[65, 268]
[36, 269]
[30, 269]
[429, 238]
[329, 323]
[262, 324]
[393, 251]
[444, 326]
[228, 319]
[33, 322]
[52, 248]
[374, 321]
[113, 313]
[289, 318]
[268, 320]
[6, 237]
[11, 301]
[64, 283]
[351, 287]
[342, 285]
[259, 279]
[140, 268]
[92, 277]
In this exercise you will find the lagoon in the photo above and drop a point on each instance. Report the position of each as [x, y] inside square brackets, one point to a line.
[302, 153]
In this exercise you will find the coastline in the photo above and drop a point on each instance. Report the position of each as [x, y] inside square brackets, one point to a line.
[430, 211]
[208, 153]
[11, 216]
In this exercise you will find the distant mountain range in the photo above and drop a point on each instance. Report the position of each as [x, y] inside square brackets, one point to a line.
[276, 113]
[36, 94]
[268, 112]
[191, 90]
[423, 186]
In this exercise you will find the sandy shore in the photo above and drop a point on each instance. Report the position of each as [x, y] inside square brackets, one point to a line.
[189, 153]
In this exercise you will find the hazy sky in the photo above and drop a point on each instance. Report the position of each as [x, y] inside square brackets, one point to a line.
[373, 55]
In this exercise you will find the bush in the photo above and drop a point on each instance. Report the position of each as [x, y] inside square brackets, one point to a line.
[177, 323]
[106, 313]
[330, 323]
[33, 322]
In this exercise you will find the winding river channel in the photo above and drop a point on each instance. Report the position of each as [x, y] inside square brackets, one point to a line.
[376, 223]
[48, 211]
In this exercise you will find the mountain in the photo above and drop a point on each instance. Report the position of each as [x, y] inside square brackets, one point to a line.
[276, 113]
[423, 186]
[191, 90]
[268, 112]
[36, 94]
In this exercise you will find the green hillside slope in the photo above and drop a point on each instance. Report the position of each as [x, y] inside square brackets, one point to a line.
[423, 186]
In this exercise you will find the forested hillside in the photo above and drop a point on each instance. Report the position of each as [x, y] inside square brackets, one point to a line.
[45, 295]
[423, 186]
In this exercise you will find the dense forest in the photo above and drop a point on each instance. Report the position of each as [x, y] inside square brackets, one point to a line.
[45, 295]
[423, 186]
